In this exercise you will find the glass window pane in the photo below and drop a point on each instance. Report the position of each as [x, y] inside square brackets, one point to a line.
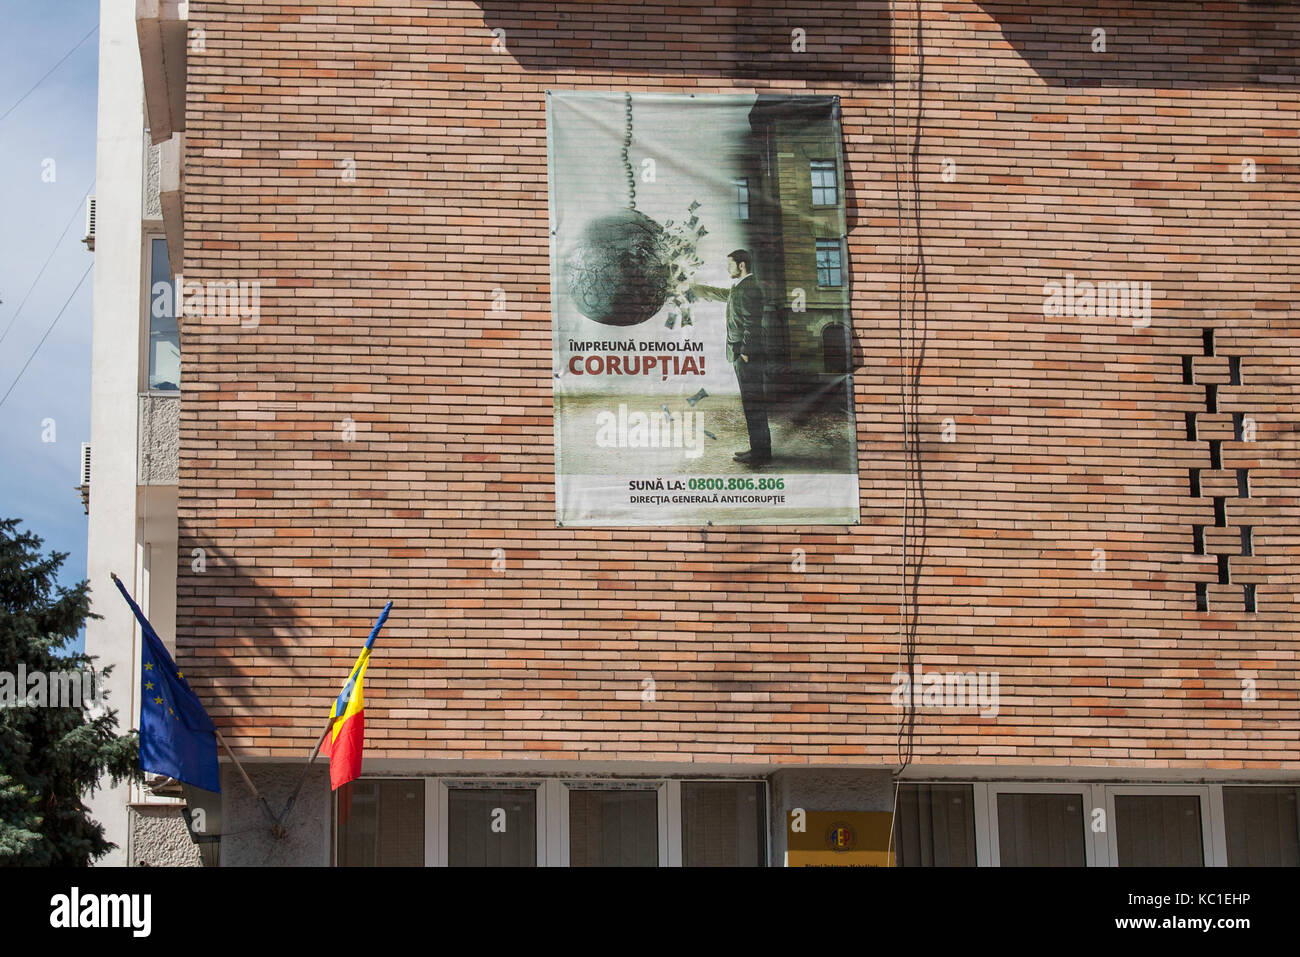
[1041, 830]
[164, 337]
[492, 828]
[382, 825]
[1158, 830]
[1263, 826]
[825, 184]
[935, 826]
[723, 824]
[828, 262]
[742, 198]
[613, 828]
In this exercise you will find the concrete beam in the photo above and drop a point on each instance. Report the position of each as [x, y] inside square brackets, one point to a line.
[162, 31]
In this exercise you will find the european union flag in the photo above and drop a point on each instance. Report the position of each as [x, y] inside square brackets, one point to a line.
[177, 738]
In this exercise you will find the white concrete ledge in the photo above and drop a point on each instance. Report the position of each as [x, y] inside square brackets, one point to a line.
[171, 195]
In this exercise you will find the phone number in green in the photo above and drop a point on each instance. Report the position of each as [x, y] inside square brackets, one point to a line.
[732, 484]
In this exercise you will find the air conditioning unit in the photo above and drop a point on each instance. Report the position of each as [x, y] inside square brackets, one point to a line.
[84, 487]
[89, 238]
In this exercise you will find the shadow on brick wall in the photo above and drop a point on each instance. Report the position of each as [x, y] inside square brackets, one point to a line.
[224, 612]
[768, 39]
[763, 40]
[1151, 44]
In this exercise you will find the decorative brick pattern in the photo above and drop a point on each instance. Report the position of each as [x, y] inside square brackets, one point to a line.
[1241, 541]
[1070, 432]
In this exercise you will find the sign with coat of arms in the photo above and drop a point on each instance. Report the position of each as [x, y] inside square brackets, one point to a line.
[838, 839]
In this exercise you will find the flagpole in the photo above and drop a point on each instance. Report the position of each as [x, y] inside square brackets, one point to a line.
[288, 805]
[249, 781]
[216, 732]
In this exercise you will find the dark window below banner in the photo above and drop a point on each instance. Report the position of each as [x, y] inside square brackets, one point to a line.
[1262, 825]
[613, 828]
[1158, 830]
[381, 823]
[1041, 830]
[492, 828]
[724, 824]
[935, 826]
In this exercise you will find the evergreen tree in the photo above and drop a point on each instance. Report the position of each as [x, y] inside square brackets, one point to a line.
[50, 756]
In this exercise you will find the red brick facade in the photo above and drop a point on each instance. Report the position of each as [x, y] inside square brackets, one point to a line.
[1069, 434]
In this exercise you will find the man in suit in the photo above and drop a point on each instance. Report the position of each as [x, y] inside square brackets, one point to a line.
[745, 350]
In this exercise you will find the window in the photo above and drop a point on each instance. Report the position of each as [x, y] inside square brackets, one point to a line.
[935, 826]
[825, 183]
[164, 336]
[613, 828]
[1041, 829]
[1263, 826]
[835, 349]
[491, 827]
[724, 824]
[381, 823]
[482, 821]
[1158, 830]
[742, 198]
[829, 263]
[1078, 824]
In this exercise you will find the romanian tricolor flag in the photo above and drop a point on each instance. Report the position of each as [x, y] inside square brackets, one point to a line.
[345, 739]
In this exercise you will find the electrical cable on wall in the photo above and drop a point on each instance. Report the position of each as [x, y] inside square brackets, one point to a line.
[911, 357]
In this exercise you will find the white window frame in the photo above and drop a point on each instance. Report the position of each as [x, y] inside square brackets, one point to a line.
[1214, 851]
[667, 858]
[437, 806]
[553, 812]
[1099, 847]
[986, 811]
[838, 186]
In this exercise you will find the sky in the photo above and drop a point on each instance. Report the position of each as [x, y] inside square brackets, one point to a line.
[47, 163]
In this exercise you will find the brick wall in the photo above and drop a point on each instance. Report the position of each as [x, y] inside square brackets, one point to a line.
[1070, 433]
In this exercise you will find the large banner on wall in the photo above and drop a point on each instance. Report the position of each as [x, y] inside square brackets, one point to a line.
[700, 310]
